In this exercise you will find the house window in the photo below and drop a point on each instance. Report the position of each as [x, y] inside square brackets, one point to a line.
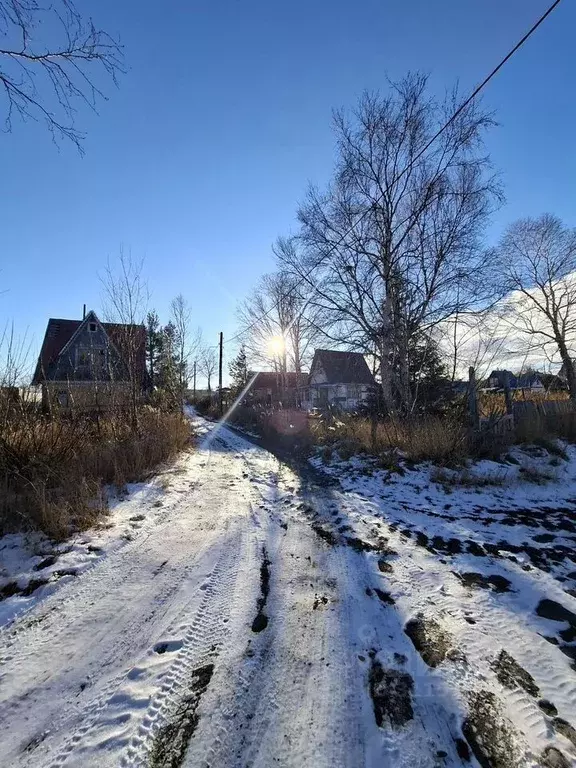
[91, 360]
[63, 399]
[92, 327]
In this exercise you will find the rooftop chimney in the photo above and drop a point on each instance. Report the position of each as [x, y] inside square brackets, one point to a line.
[84, 312]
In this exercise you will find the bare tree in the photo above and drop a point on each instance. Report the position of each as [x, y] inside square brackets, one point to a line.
[537, 258]
[208, 364]
[125, 300]
[392, 248]
[187, 341]
[282, 323]
[50, 57]
[15, 361]
[296, 296]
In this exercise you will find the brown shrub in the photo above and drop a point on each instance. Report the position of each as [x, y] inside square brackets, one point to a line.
[431, 438]
[53, 471]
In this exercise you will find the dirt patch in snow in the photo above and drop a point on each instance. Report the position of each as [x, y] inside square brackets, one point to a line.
[446, 546]
[261, 620]
[462, 749]
[318, 601]
[172, 739]
[384, 597]
[544, 538]
[431, 641]
[360, 545]
[489, 734]
[563, 726]
[548, 707]
[473, 548]
[550, 609]
[325, 534]
[391, 693]
[492, 581]
[553, 758]
[12, 588]
[512, 675]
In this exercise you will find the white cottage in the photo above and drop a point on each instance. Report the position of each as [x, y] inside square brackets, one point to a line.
[339, 379]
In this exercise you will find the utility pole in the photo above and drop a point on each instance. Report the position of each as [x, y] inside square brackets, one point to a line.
[194, 388]
[220, 373]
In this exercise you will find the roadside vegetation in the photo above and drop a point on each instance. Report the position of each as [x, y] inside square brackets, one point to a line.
[55, 470]
[445, 439]
[389, 259]
[59, 465]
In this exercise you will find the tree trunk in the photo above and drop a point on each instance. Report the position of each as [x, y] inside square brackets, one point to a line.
[568, 368]
[296, 348]
[404, 372]
[385, 366]
[151, 362]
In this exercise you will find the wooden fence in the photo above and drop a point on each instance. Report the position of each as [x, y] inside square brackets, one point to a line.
[529, 415]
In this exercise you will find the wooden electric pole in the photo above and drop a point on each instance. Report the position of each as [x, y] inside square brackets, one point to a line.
[194, 388]
[220, 404]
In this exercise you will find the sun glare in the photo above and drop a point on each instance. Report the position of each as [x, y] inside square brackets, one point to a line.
[276, 346]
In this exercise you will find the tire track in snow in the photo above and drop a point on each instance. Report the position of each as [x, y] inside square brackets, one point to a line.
[201, 639]
[440, 594]
[110, 616]
[30, 630]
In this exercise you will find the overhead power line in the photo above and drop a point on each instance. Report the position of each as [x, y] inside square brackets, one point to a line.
[418, 155]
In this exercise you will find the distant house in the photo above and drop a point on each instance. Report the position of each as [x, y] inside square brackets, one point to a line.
[527, 382]
[275, 388]
[87, 365]
[339, 379]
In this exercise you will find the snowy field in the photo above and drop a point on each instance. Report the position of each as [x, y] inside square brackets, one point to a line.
[239, 612]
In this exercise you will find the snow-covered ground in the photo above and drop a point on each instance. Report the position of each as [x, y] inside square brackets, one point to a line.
[239, 612]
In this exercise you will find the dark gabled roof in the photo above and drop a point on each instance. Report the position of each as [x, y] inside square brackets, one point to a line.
[275, 381]
[343, 367]
[522, 381]
[500, 374]
[59, 332]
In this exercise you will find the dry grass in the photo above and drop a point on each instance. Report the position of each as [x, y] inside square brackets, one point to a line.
[466, 478]
[442, 440]
[492, 404]
[53, 472]
[536, 475]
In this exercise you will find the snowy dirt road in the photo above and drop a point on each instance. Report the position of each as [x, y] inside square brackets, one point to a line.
[267, 616]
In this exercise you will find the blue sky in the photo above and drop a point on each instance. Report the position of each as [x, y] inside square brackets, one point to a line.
[198, 160]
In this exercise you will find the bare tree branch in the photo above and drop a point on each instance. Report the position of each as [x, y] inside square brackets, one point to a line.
[52, 61]
[537, 261]
[393, 247]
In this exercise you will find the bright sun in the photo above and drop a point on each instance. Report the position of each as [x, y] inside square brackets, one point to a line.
[276, 346]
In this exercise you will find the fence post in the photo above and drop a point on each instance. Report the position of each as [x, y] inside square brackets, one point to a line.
[473, 399]
[507, 393]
